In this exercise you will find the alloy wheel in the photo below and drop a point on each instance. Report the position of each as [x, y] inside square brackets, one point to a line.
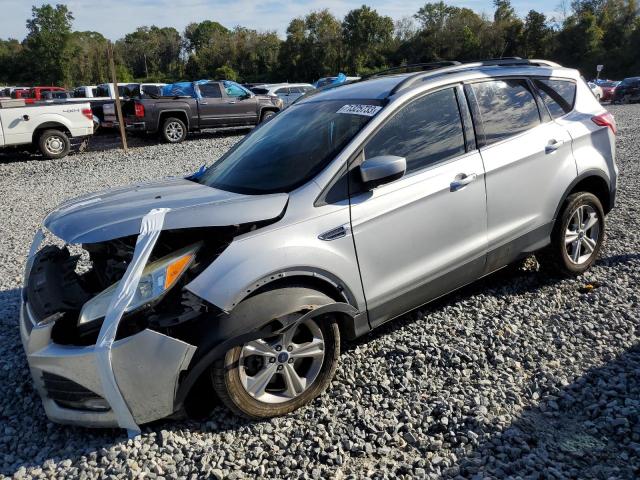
[280, 368]
[174, 131]
[582, 234]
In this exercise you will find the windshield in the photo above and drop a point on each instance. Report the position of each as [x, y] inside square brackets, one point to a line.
[290, 149]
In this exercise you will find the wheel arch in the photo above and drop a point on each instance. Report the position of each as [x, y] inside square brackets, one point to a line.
[275, 309]
[181, 114]
[592, 181]
[51, 125]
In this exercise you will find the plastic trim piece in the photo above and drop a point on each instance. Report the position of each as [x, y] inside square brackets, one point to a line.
[149, 232]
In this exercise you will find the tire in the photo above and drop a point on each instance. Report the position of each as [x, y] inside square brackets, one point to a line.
[572, 258]
[54, 144]
[173, 130]
[266, 116]
[232, 376]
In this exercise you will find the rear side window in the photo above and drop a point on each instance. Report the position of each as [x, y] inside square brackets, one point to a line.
[282, 91]
[557, 95]
[507, 108]
[210, 90]
[426, 131]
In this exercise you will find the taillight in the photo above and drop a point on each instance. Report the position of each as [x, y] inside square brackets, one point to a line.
[139, 110]
[87, 113]
[606, 120]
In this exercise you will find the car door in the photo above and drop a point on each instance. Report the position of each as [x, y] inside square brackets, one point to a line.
[211, 104]
[241, 105]
[528, 161]
[423, 235]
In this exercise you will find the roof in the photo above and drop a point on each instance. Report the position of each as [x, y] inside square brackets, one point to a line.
[385, 86]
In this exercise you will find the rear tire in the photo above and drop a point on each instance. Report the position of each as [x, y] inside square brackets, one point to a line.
[54, 144]
[236, 378]
[576, 238]
[266, 116]
[173, 130]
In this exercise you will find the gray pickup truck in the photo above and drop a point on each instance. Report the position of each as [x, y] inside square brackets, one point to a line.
[191, 106]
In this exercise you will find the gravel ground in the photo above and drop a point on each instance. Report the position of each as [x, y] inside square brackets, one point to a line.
[519, 375]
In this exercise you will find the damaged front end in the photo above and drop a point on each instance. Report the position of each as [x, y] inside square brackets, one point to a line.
[66, 294]
[106, 321]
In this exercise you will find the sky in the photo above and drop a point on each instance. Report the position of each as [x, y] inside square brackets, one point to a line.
[115, 18]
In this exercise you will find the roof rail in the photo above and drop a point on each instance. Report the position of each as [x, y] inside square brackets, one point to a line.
[424, 66]
[496, 62]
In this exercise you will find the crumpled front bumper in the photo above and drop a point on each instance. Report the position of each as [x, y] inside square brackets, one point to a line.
[146, 366]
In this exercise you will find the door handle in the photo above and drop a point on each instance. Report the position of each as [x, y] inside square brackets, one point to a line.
[553, 145]
[231, 102]
[203, 103]
[461, 181]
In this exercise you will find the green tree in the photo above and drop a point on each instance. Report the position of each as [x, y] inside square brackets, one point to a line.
[11, 60]
[313, 47]
[48, 55]
[366, 36]
[225, 72]
[536, 35]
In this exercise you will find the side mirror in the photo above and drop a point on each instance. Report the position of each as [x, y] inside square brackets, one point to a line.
[377, 171]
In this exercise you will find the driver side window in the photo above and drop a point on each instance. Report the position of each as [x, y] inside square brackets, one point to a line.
[234, 90]
[426, 131]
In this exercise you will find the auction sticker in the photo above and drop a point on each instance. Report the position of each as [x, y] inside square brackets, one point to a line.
[366, 110]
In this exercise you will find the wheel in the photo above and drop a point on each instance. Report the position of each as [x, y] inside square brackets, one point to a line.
[54, 144]
[577, 236]
[266, 116]
[273, 376]
[173, 130]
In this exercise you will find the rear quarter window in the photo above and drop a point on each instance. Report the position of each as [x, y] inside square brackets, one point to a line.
[558, 95]
[507, 108]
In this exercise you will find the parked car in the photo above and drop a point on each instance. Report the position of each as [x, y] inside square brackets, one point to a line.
[192, 106]
[104, 109]
[596, 90]
[608, 87]
[86, 91]
[341, 78]
[287, 92]
[48, 127]
[244, 276]
[628, 91]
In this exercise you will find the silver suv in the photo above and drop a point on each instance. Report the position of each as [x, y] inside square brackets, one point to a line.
[357, 204]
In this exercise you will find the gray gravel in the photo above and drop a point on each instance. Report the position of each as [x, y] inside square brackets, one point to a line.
[516, 376]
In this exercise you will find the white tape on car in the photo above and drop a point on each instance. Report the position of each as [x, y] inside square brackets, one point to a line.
[149, 232]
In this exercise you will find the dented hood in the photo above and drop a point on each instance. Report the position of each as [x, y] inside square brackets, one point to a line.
[118, 212]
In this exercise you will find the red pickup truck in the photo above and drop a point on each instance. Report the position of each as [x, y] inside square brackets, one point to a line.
[36, 94]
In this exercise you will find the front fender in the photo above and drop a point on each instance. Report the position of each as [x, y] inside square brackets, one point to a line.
[252, 262]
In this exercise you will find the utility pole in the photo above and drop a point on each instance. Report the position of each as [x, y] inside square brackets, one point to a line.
[112, 67]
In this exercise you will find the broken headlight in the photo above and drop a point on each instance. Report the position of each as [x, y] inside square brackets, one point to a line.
[157, 278]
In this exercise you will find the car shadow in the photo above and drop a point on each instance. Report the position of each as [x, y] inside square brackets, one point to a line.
[587, 429]
[511, 280]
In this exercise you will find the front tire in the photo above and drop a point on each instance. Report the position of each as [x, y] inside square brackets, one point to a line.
[274, 376]
[577, 236]
[173, 130]
[54, 144]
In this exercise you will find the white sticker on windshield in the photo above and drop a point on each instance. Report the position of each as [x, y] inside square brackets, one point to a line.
[366, 110]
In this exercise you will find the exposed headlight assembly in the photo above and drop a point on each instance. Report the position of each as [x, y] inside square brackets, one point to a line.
[157, 278]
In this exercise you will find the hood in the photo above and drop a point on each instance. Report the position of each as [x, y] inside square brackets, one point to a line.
[118, 212]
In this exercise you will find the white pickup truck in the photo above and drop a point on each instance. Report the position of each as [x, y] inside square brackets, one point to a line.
[48, 127]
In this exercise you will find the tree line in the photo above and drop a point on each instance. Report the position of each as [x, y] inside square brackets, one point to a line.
[584, 33]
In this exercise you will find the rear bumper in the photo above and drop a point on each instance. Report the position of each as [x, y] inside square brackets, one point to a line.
[135, 126]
